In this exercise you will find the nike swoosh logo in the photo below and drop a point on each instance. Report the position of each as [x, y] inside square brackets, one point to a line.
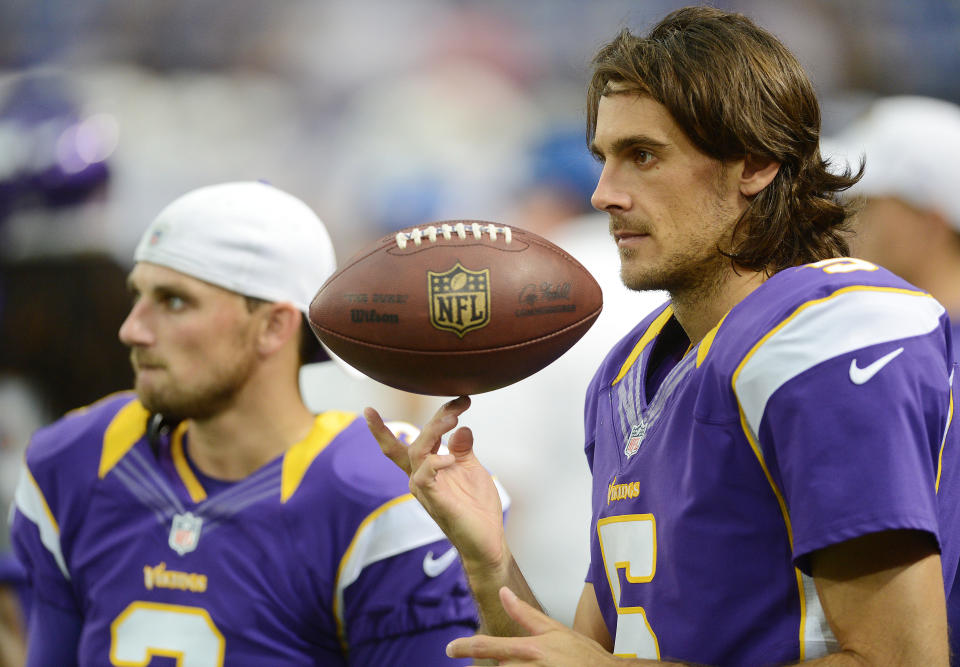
[860, 375]
[432, 567]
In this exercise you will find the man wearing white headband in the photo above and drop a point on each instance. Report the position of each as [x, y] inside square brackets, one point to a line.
[210, 516]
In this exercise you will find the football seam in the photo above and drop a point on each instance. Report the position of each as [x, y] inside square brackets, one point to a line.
[529, 238]
[376, 346]
[389, 241]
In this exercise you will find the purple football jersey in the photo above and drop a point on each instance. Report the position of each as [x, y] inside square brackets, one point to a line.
[320, 557]
[955, 335]
[818, 410]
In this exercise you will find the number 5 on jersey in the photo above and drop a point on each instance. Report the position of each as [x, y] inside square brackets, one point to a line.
[629, 543]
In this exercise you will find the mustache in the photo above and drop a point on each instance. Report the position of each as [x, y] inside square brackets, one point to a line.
[140, 359]
[618, 225]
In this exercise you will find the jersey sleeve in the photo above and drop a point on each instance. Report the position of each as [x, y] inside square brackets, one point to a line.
[404, 609]
[52, 496]
[401, 589]
[846, 404]
[48, 621]
[398, 587]
[35, 533]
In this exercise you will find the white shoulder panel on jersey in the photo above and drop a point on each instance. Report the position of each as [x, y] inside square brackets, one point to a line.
[398, 526]
[29, 500]
[827, 328]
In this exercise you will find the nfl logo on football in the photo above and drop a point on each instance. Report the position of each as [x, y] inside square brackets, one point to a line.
[185, 532]
[459, 299]
[635, 438]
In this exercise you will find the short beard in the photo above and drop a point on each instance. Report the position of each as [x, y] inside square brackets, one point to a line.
[687, 276]
[694, 272]
[204, 402]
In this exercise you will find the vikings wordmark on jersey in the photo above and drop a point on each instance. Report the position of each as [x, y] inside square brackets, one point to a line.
[819, 409]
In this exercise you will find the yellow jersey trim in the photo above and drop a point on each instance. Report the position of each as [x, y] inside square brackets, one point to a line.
[299, 457]
[655, 327]
[754, 445]
[189, 479]
[123, 432]
[803, 609]
[943, 443]
[707, 341]
[43, 500]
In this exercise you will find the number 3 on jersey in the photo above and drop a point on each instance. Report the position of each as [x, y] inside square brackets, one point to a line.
[147, 629]
[629, 543]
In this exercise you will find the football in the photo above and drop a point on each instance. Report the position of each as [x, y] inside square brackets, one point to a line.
[455, 307]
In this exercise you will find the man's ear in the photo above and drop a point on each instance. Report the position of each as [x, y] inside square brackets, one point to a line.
[757, 174]
[281, 323]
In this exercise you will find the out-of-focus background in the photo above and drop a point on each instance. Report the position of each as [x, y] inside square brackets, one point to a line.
[378, 114]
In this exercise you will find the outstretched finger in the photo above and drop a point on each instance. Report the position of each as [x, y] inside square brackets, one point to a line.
[485, 647]
[443, 421]
[395, 450]
[452, 409]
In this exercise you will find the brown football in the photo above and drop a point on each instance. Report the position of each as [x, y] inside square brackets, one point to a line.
[455, 307]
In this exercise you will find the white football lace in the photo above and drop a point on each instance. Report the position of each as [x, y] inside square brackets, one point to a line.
[447, 231]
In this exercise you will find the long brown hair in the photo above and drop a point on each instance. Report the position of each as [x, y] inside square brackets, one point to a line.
[735, 90]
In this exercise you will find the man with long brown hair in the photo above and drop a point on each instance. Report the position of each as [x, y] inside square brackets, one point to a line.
[771, 450]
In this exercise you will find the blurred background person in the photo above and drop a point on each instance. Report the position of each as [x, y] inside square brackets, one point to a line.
[909, 220]
[54, 308]
[210, 515]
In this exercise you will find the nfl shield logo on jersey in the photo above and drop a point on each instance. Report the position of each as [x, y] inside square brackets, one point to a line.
[185, 532]
[635, 438]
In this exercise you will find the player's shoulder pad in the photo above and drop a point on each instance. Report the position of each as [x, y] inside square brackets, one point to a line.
[845, 303]
[817, 280]
[364, 473]
[77, 438]
[341, 462]
[62, 460]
